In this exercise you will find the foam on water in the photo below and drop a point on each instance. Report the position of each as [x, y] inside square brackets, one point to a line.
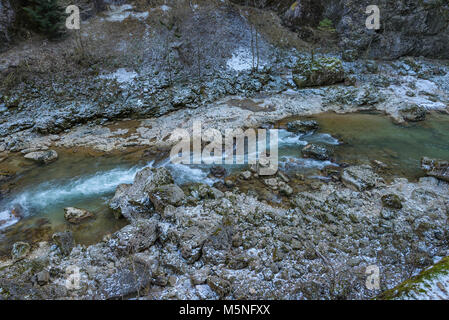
[58, 193]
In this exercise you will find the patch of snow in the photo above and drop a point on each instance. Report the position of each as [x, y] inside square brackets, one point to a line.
[121, 76]
[424, 89]
[242, 60]
[165, 8]
[120, 13]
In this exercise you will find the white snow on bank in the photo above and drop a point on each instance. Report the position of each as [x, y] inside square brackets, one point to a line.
[165, 8]
[120, 13]
[242, 59]
[425, 89]
[433, 289]
[121, 76]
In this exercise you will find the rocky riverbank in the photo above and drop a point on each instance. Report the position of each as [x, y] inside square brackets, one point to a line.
[205, 243]
[246, 236]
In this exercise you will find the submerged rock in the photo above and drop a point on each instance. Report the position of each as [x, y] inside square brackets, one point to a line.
[318, 72]
[436, 168]
[359, 178]
[316, 151]
[42, 157]
[302, 126]
[75, 215]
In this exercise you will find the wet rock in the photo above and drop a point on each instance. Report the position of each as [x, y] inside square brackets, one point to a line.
[65, 242]
[436, 168]
[20, 250]
[316, 151]
[169, 194]
[218, 171]
[302, 126]
[413, 112]
[319, 72]
[359, 178]
[245, 175]
[75, 215]
[391, 201]
[42, 157]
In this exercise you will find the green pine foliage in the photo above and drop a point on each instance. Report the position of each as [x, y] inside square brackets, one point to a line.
[46, 16]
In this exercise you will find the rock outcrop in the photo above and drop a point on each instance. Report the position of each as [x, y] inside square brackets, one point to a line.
[318, 72]
[7, 17]
[436, 168]
[42, 157]
[418, 28]
[360, 178]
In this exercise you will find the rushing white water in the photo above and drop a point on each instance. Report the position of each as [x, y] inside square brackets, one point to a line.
[54, 195]
[40, 198]
[46, 196]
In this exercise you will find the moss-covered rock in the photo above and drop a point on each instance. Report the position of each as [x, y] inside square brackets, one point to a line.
[432, 283]
[318, 72]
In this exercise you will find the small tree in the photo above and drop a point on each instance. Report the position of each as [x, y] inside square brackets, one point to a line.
[46, 16]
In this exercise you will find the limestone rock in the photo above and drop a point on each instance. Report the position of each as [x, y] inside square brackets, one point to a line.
[436, 168]
[65, 242]
[42, 157]
[20, 250]
[321, 71]
[302, 126]
[75, 215]
[316, 151]
[359, 178]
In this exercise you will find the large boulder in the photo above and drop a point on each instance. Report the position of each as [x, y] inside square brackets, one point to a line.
[169, 194]
[7, 17]
[360, 178]
[75, 215]
[319, 71]
[316, 151]
[133, 201]
[436, 168]
[42, 157]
